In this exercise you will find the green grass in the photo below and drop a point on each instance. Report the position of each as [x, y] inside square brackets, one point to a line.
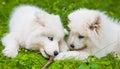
[33, 60]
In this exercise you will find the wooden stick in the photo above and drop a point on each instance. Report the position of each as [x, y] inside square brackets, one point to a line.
[48, 63]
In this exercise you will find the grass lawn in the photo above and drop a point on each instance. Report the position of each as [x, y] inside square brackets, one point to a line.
[33, 60]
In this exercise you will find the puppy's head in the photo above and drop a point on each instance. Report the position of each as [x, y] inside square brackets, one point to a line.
[49, 35]
[84, 25]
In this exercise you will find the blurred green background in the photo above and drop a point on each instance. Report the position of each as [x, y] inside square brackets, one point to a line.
[33, 60]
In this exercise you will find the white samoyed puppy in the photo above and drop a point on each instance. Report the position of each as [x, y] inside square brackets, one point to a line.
[91, 33]
[34, 29]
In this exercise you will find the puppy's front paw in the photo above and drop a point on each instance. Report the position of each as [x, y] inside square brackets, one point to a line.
[67, 55]
[10, 53]
[72, 54]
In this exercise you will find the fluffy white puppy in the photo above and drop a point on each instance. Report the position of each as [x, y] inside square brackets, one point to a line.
[92, 33]
[34, 29]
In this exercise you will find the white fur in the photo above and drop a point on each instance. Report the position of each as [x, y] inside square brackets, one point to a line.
[101, 42]
[31, 27]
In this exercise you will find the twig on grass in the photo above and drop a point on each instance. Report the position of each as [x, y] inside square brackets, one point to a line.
[48, 63]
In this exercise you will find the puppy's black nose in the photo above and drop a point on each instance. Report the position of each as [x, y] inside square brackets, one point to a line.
[72, 46]
[55, 53]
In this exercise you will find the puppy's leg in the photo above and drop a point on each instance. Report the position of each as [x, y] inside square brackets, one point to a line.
[78, 55]
[63, 45]
[11, 46]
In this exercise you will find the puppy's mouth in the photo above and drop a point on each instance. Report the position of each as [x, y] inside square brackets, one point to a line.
[47, 54]
[82, 48]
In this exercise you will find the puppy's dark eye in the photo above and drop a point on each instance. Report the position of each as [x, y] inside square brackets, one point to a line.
[80, 37]
[50, 38]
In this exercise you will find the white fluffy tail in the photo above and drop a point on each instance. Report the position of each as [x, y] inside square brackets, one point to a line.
[11, 46]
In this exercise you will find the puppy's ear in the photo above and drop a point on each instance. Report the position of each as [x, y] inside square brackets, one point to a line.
[96, 25]
[38, 20]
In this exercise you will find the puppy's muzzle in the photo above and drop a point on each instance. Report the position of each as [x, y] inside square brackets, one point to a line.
[55, 54]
